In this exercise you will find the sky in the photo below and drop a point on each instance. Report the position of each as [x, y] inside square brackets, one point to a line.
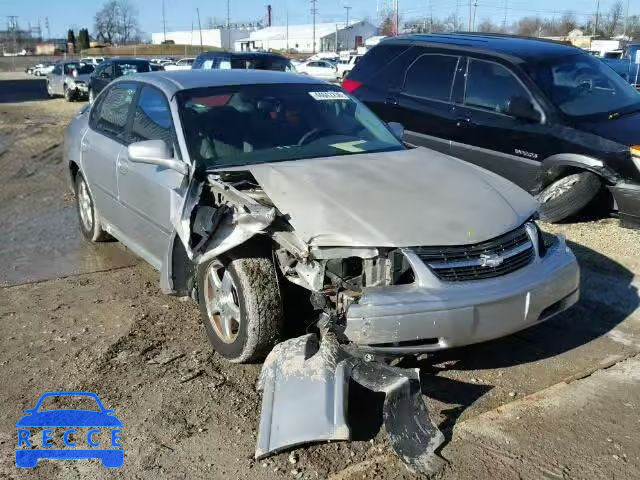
[180, 14]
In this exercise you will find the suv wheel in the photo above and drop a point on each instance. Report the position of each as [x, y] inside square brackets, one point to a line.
[87, 215]
[567, 196]
[68, 94]
[241, 307]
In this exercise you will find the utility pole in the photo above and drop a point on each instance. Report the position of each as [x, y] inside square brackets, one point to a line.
[626, 17]
[349, 8]
[228, 25]
[199, 28]
[397, 17]
[506, 13]
[475, 8]
[46, 25]
[595, 27]
[314, 12]
[164, 23]
[287, 34]
[470, 14]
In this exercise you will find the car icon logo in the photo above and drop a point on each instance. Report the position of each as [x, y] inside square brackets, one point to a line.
[491, 260]
[86, 433]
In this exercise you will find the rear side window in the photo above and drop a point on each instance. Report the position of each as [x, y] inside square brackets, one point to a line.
[431, 76]
[378, 58]
[152, 118]
[111, 115]
[490, 86]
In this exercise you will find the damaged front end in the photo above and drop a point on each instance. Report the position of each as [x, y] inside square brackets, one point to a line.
[305, 384]
[305, 381]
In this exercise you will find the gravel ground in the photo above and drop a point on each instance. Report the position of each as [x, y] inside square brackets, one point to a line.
[82, 317]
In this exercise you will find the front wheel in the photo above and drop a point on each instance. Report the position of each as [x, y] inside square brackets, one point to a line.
[89, 219]
[567, 196]
[241, 307]
[68, 94]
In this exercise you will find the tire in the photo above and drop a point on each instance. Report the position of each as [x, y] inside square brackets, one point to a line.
[89, 223]
[91, 96]
[68, 94]
[250, 288]
[49, 94]
[567, 196]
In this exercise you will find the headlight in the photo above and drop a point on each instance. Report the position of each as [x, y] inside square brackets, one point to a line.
[635, 155]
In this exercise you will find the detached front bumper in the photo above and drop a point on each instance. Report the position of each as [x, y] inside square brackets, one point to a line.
[627, 196]
[433, 315]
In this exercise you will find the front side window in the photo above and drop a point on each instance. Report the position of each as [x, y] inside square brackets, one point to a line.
[582, 86]
[249, 124]
[57, 70]
[431, 76]
[81, 68]
[152, 118]
[111, 118]
[129, 68]
[490, 86]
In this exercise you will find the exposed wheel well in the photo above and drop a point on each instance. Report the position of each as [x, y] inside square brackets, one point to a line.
[556, 172]
[73, 170]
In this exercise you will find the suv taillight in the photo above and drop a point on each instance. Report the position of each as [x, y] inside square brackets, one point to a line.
[350, 86]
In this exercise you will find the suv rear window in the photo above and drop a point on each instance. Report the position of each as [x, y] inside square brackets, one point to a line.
[431, 76]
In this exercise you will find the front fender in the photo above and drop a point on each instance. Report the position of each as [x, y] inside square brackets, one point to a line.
[553, 167]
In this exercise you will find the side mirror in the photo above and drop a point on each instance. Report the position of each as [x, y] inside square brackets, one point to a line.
[523, 109]
[156, 152]
[397, 129]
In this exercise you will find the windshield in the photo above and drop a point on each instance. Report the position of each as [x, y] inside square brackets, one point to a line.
[249, 124]
[583, 86]
[130, 68]
[82, 68]
[261, 63]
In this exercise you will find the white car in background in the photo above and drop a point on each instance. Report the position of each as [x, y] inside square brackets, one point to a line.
[321, 69]
[344, 67]
[92, 60]
[182, 64]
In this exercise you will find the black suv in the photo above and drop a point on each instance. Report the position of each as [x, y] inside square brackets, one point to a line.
[113, 68]
[242, 60]
[549, 117]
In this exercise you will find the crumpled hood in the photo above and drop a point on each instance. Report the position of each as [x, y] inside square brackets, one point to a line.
[405, 198]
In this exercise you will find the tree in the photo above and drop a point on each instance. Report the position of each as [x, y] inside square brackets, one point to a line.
[487, 26]
[529, 26]
[117, 22]
[83, 39]
[388, 25]
[71, 38]
[614, 19]
[567, 22]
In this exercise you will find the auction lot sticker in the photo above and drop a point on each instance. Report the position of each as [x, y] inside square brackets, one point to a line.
[329, 95]
[69, 433]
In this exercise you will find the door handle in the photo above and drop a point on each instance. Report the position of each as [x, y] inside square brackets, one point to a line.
[123, 165]
[464, 122]
[391, 101]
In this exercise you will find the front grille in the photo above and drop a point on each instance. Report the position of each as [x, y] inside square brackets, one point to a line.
[492, 258]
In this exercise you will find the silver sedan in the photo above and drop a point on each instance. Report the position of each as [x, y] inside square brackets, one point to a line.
[235, 184]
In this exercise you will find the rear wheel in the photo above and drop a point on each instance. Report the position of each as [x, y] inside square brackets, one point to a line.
[567, 196]
[68, 94]
[49, 91]
[241, 307]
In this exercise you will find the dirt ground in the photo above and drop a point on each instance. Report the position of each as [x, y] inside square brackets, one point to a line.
[560, 400]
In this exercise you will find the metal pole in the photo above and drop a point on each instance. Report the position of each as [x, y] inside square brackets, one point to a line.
[397, 18]
[347, 9]
[164, 23]
[314, 11]
[470, 13]
[595, 28]
[475, 8]
[626, 17]
[228, 26]
[287, 13]
[336, 45]
[199, 28]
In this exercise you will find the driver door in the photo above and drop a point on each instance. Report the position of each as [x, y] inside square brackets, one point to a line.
[484, 134]
[150, 195]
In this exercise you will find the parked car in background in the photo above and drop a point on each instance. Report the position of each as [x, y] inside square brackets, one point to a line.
[182, 64]
[242, 60]
[92, 60]
[213, 178]
[69, 79]
[156, 67]
[627, 65]
[549, 117]
[43, 69]
[346, 65]
[321, 69]
[114, 68]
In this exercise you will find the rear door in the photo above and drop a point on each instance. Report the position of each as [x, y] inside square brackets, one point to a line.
[424, 104]
[486, 135]
[102, 145]
[147, 193]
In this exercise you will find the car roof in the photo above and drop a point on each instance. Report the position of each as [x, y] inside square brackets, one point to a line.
[173, 81]
[126, 59]
[516, 47]
[223, 53]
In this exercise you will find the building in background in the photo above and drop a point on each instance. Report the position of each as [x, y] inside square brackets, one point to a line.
[299, 38]
[220, 37]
